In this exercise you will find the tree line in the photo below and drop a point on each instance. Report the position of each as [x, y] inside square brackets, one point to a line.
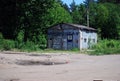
[28, 20]
[104, 15]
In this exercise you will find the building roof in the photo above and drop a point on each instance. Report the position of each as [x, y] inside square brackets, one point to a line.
[80, 26]
[76, 26]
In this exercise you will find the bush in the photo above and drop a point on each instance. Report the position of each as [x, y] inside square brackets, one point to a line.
[106, 47]
[8, 44]
[1, 36]
[75, 49]
[42, 41]
[20, 45]
[29, 46]
[1, 43]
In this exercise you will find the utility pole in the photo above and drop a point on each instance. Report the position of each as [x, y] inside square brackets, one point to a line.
[87, 8]
[87, 17]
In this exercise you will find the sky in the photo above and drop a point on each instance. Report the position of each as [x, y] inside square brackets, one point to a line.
[70, 1]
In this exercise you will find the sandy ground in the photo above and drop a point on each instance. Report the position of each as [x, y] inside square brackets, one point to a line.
[65, 67]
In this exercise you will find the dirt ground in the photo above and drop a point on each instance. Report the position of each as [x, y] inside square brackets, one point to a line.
[58, 67]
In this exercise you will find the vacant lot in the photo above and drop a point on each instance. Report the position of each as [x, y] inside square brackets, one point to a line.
[58, 67]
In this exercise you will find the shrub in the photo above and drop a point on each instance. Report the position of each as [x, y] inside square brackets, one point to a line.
[42, 41]
[106, 47]
[1, 36]
[8, 44]
[75, 49]
[1, 41]
[29, 46]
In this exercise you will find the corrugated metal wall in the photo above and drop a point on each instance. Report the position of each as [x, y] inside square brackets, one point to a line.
[67, 37]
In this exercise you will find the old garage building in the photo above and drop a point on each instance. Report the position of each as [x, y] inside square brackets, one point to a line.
[68, 36]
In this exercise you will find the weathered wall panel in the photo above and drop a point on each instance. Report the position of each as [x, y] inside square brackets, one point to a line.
[65, 37]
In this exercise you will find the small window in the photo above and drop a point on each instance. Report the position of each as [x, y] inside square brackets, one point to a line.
[69, 37]
[85, 40]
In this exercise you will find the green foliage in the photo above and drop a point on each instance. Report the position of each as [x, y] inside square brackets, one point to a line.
[29, 46]
[73, 6]
[27, 21]
[75, 49]
[77, 15]
[20, 36]
[1, 36]
[102, 14]
[104, 17]
[1, 44]
[42, 41]
[106, 47]
[110, 1]
[108, 20]
[7, 44]
[57, 14]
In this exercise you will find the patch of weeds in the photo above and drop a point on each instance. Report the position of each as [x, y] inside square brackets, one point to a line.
[106, 47]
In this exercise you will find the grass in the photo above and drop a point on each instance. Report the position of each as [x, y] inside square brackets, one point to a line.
[11, 45]
[58, 51]
[106, 47]
[102, 48]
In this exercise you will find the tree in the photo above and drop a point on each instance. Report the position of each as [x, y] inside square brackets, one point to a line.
[112, 26]
[109, 1]
[64, 5]
[106, 18]
[87, 4]
[57, 14]
[79, 15]
[32, 17]
[72, 6]
[28, 20]
[8, 18]
[38, 15]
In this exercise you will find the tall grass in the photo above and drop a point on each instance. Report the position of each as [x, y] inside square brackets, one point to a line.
[19, 45]
[7, 44]
[29, 46]
[106, 47]
[103, 46]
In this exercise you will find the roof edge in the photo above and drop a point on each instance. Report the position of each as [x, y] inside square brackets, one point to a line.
[76, 26]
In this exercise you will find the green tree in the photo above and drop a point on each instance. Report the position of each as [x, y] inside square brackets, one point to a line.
[28, 20]
[79, 15]
[64, 5]
[109, 1]
[38, 15]
[32, 17]
[106, 18]
[112, 26]
[57, 14]
[73, 6]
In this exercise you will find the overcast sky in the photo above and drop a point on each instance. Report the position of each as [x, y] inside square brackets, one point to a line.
[70, 1]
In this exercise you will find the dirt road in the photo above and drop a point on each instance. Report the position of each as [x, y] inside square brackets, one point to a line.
[65, 67]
